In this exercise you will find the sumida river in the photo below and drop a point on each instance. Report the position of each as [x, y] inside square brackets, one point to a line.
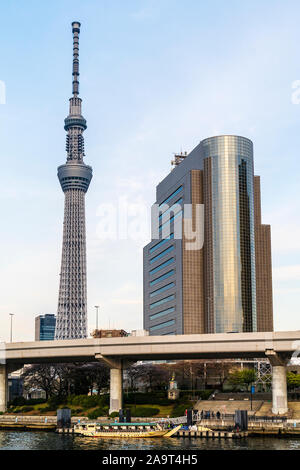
[18, 440]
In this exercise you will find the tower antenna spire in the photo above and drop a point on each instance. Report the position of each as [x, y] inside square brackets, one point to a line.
[76, 31]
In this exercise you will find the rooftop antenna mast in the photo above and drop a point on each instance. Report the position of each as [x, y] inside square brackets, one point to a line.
[76, 31]
[178, 158]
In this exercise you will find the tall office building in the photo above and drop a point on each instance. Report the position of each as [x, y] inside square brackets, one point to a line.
[74, 177]
[224, 284]
[45, 327]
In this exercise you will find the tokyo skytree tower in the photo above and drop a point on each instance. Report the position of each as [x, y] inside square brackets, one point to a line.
[74, 177]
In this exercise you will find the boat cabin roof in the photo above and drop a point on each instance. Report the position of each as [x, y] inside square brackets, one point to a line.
[123, 424]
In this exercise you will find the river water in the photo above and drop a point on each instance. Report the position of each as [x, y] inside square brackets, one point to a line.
[18, 440]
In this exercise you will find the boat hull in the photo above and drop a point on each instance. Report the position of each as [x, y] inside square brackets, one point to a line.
[93, 431]
[121, 434]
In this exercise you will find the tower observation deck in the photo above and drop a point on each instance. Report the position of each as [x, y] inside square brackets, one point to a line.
[74, 177]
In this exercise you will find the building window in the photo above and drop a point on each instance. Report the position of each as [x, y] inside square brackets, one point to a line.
[172, 208]
[162, 325]
[161, 278]
[162, 301]
[162, 266]
[163, 253]
[172, 195]
[162, 289]
[170, 220]
[162, 313]
[158, 245]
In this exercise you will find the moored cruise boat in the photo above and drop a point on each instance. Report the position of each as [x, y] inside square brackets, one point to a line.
[131, 430]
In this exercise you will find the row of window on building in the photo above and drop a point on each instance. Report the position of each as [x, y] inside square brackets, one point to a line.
[176, 209]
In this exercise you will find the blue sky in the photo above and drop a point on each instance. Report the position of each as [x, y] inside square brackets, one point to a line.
[156, 78]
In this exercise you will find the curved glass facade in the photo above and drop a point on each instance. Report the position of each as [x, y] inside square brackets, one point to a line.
[232, 301]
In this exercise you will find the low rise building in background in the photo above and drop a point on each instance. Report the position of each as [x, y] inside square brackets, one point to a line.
[109, 333]
[45, 327]
[15, 385]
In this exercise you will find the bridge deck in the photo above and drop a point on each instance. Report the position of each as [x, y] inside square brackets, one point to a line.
[208, 346]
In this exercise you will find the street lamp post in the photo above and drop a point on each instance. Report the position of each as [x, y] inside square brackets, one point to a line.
[97, 310]
[11, 317]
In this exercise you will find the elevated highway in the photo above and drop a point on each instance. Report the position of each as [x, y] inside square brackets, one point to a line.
[279, 347]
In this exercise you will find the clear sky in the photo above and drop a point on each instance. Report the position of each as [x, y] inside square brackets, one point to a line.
[157, 76]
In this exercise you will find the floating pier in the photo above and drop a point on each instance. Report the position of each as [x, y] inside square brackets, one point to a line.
[65, 430]
[27, 426]
[212, 434]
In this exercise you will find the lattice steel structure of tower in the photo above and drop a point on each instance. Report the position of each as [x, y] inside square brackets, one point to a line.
[74, 177]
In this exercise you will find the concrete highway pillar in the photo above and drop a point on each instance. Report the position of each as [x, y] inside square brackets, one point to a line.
[3, 387]
[116, 381]
[279, 383]
[279, 390]
[116, 390]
